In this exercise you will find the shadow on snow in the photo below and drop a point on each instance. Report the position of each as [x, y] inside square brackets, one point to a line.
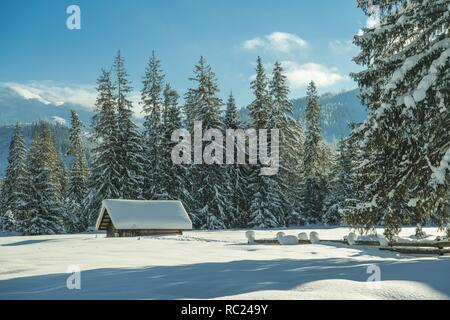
[213, 280]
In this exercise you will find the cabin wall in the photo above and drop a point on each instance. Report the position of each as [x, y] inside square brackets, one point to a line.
[122, 233]
[111, 231]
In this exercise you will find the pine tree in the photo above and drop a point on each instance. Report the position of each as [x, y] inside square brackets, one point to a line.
[405, 142]
[130, 141]
[46, 213]
[236, 174]
[209, 190]
[291, 145]
[341, 184]
[78, 178]
[172, 177]
[152, 103]
[75, 134]
[266, 206]
[260, 107]
[52, 159]
[106, 170]
[294, 179]
[13, 208]
[231, 119]
[313, 160]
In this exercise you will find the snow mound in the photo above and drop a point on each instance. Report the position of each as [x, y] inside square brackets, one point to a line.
[352, 238]
[348, 290]
[303, 236]
[286, 240]
[250, 236]
[314, 237]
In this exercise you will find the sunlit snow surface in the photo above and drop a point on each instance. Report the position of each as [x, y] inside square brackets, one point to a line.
[214, 265]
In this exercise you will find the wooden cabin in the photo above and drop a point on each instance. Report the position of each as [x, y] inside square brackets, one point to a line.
[132, 218]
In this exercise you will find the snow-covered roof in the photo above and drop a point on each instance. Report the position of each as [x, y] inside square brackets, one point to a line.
[141, 214]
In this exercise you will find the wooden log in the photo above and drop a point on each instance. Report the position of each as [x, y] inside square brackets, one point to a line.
[302, 242]
[275, 241]
[266, 241]
[358, 243]
[440, 245]
[368, 243]
[417, 250]
[335, 241]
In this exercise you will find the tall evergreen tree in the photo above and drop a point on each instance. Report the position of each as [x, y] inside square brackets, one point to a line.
[291, 144]
[266, 206]
[236, 174]
[152, 103]
[405, 140]
[78, 178]
[313, 159]
[75, 134]
[46, 214]
[209, 189]
[260, 107]
[231, 119]
[14, 189]
[106, 170]
[294, 180]
[130, 141]
[172, 177]
[341, 184]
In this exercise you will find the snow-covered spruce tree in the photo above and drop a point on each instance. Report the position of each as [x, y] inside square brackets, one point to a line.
[8, 222]
[130, 155]
[208, 180]
[294, 181]
[13, 197]
[105, 182]
[188, 109]
[340, 184]
[291, 145]
[236, 215]
[78, 177]
[172, 177]
[314, 181]
[75, 134]
[46, 212]
[56, 164]
[405, 141]
[260, 108]
[152, 104]
[188, 123]
[266, 201]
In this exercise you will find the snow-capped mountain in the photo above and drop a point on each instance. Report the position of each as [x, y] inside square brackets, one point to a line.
[19, 106]
[338, 110]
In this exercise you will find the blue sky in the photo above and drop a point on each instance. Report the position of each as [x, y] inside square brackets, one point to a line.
[40, 56]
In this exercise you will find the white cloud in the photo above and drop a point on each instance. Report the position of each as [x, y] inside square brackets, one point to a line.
[277, 41]
[300, 75]
[51, 92]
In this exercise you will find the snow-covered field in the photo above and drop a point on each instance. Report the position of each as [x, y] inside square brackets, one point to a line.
[209, 265]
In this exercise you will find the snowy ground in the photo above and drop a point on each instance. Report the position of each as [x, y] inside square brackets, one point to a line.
[208, 265]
